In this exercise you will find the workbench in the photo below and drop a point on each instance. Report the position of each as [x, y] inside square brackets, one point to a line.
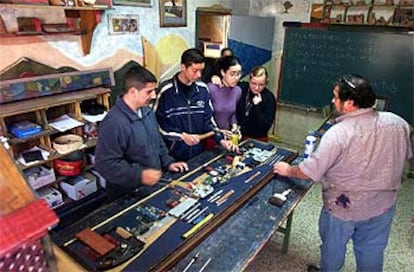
[229, 241]
[235, 244]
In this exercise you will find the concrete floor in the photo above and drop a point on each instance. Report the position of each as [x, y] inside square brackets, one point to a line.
[305, 241]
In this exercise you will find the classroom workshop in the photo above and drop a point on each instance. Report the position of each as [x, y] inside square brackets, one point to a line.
[207, 135]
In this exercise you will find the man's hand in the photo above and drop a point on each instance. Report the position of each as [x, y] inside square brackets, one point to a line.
[228, 145]
[178, 167]
[190, 139]
[286, 170]
[150, 177]
[283, 169]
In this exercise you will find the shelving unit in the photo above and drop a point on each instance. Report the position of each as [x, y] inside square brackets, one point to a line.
[40, 110]
[397, 13]
[90, 17]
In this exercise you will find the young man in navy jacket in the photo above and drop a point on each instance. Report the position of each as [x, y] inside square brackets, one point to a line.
[184, 111]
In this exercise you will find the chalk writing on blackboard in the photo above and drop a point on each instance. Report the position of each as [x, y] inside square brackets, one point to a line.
[314, 58]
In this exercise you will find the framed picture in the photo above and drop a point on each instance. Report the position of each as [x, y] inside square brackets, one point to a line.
[173, 13]
[141, 3]
[123, 24]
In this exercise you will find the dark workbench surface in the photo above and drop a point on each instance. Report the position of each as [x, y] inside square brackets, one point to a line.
[234, 244]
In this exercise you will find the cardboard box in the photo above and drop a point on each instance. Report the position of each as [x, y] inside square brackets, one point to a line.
[212, 50]
[39, 176]
[52, 196]
[79, 187]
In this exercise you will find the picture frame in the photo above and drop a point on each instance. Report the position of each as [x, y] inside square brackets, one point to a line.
[173, 13]
[138, 3]
[123, 24]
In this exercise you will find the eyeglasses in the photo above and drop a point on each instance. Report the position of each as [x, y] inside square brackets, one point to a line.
[257, 85]
[235, 73]
[348, 82]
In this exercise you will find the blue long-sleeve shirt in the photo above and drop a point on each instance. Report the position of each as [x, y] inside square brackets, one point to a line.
[128, 144]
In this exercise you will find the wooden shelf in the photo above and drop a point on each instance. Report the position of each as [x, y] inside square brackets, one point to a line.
[368, 14]
[45, 132]
[90, 17]
[37, 108]
[50, 101]
[31, 6]
[54, 155]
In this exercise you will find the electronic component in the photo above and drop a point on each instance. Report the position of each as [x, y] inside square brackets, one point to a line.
[213, 173]
[203, 190]
[221, 170]
[150, 213]
[178, 210]
[171, 203]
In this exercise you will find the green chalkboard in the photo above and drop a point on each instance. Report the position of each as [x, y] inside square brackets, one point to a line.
[314, 58]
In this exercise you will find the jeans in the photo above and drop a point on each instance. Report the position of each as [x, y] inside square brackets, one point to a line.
[370, 237]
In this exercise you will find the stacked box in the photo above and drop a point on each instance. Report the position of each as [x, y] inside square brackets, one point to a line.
[52, 196]
[79, 187]
[39, 176]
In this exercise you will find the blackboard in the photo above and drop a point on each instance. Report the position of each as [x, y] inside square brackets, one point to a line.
[314, 58]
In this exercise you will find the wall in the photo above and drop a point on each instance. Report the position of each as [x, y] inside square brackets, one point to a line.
[292, 124]
[116, 50]
[106, 50]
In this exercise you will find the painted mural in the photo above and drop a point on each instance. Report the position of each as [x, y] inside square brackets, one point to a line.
[65, 50]
[106, 50]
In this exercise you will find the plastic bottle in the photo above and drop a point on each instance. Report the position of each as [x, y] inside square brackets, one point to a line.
[309, 145]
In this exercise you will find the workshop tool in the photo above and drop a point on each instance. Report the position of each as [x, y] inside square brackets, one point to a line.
[205, 265]
[206, 135]
[279, 198]
[225, 197]
[197, 226]
[195, 257]
[252, 177]
[215, 196]
[191, 219]
[190, 211]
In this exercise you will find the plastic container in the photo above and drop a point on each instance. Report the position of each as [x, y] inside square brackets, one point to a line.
[309, 145]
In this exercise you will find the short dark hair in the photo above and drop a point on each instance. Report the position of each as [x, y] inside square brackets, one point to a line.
[191, 56]
[138, 77]
[226, 49]
[227, 62]
[356, 88]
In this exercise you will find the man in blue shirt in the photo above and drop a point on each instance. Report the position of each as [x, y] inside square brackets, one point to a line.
[130, 152]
